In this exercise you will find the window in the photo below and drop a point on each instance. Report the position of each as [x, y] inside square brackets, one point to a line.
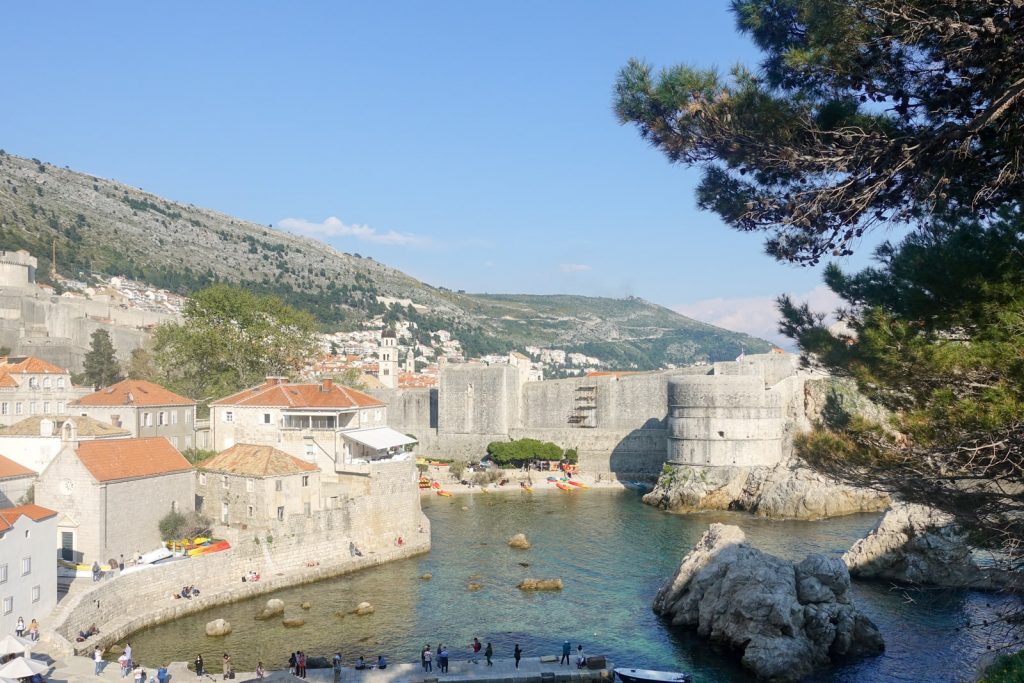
[202, 478]
[310, 452]
[174, 441]
[46, 407]
[224, 512]
[147, 419]
[224, 481]
[250, 486]
[60, 407]
[32, 406]
[305, 480]
[333, 501]
[174, 417]
[278, 485]
[60, 382]
[5, 408]
[252, 511]
[28, 533]
[188, 416]
[3, 573]
[33, 383]
[26, 566]
[266, 418]
[8, 605]
[161, 418]
[19, 408]
[229, 416]
[46, 383]
[280, 514]
[306, 509]
[35, 593]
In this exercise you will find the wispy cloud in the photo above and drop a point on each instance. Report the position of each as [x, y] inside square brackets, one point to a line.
[335, 227]
[574, 267]
[757, 316]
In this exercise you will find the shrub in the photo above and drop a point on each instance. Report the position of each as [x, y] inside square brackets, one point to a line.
[171, 525]
[486, 477]
[175, 525]
[571, 456]
[1006, 669]
[517, 452]
[457, 468]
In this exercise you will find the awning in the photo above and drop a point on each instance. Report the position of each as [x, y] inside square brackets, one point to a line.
[379, 438]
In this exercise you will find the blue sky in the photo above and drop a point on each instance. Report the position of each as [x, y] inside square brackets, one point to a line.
[472, 145]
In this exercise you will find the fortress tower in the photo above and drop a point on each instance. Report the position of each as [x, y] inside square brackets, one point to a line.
[387, 359]
[17, 269]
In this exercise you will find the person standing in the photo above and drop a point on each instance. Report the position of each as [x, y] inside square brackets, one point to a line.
[336, 662]
[138, 675]
[128, 654]
[97, 658]
[581, 659]
[302, 664]
[33, 630]
[19, 628]
[226, 662]
[488, 653]
[566, 649]
[260, 672]
[428, 660]
[122, 661]
[293, 663]
[199, 666]
[476, 651]
[95, 570]
[161, 674]
[517, 654]
[442, 658]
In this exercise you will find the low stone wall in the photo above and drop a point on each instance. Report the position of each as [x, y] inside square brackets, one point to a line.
[137, 600]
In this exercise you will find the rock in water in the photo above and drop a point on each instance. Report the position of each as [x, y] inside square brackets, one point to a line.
[540, 585]
[273, 607]
[473, 586]
[520, 542]
[293, 622]
[306, 605]
[427, 577]
[786, 619]
[218, 627]
[919, 545]
[363, 609]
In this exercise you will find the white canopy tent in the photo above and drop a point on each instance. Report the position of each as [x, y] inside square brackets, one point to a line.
[22, 667]
[10, 645]
[379, 442]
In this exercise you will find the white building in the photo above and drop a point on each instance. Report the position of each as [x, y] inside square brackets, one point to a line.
[35, 441]
[28, 564]
[31, 386]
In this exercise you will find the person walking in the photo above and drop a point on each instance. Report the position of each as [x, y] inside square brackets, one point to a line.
[97, 658]
[199, 666]
[226, 664]
[488, 653]
[566, 649]
[517, 654]
[476, 651]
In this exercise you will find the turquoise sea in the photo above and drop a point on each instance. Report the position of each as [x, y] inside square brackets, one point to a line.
[612, 553]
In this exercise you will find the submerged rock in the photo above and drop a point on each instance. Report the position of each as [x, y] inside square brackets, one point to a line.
[540, 585]
[427, 577]
[520, 542]
[306, 605]
[218, 627]
[916, 544]
[293, 622]
[273, 608]
[786, 619]
[363, 609]
[473, 586]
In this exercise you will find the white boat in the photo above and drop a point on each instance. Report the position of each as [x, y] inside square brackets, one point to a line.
[646, 675]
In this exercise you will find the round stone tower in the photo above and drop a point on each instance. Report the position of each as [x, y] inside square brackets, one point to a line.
[723, 420]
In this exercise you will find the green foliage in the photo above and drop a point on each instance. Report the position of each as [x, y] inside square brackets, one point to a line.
[142, 365]
[457, 468]
[231, 339]
[171, 526]
[523, 450]
[197, 455]
[100, 366]
[1006, 669]
[862, 114]
[571, 456]
[486, 477]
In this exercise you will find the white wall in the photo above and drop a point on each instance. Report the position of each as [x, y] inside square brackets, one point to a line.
[35, 540]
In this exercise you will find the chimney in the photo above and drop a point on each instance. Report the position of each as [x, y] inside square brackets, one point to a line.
[326, 385]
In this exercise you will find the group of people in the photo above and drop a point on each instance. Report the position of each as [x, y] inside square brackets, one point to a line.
[297, 664]
[251, 576]
[427, 655]
[581, 659]
[188, 592]
[93, 630]
[32, 631]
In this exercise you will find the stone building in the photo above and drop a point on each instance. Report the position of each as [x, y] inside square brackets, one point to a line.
[15, 481]
[28, 568]
[144, 409]
[250, 486]
[32, 386]
[112, 493]
[387, 359]
[35, 441]
[326, 424]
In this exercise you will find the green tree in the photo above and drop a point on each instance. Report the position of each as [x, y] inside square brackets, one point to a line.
[142, 365]
[100, 366]
[863, 113]
[230, 339]
[522, 450]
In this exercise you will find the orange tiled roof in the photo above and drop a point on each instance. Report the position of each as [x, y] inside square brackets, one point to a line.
[256, 461]
[114, 459]
[29, 364]
[6, 381]
[8, 516]
[277, 393]
[10, 469]
[135, 392]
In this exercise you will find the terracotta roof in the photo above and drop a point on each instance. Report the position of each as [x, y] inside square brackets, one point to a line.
[7, 381]
[278, 393]
[256, 461]
[29, 364]
[135, 392]
[86, 426]
[12, 470]
[114, 459]
[8, 516]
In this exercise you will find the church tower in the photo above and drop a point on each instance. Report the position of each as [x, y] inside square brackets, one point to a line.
[410, 362]
[387, 359]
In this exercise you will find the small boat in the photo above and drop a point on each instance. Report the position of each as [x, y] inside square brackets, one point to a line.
[209, 548]
[435, 485]
[552, 478]
[578, 484]
[442, 492]
[527, 489]
[648, 676]
[564, 487]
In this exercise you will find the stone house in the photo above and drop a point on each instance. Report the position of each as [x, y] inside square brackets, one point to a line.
[32, 386]
[28, 568]
[35, 441]
[15, 481]
[144, 409]
[327, 424]
[250, 486]
[112, 493]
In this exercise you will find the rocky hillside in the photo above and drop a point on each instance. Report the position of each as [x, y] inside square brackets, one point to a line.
[102, 226]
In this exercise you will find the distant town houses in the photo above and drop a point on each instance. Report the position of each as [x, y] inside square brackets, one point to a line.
[144, 409]
[28, 572]
[111, 494]
[32, 386]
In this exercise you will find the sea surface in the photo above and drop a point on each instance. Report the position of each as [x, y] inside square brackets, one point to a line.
[612, 553]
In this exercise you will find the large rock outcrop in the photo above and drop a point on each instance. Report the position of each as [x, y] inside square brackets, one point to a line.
[918, 545]
[786, 619]
[785, 491]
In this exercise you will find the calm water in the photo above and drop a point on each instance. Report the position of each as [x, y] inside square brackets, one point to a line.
[612, 552]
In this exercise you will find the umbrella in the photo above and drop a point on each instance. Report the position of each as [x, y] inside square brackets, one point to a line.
[13, 644]
[22, 667]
